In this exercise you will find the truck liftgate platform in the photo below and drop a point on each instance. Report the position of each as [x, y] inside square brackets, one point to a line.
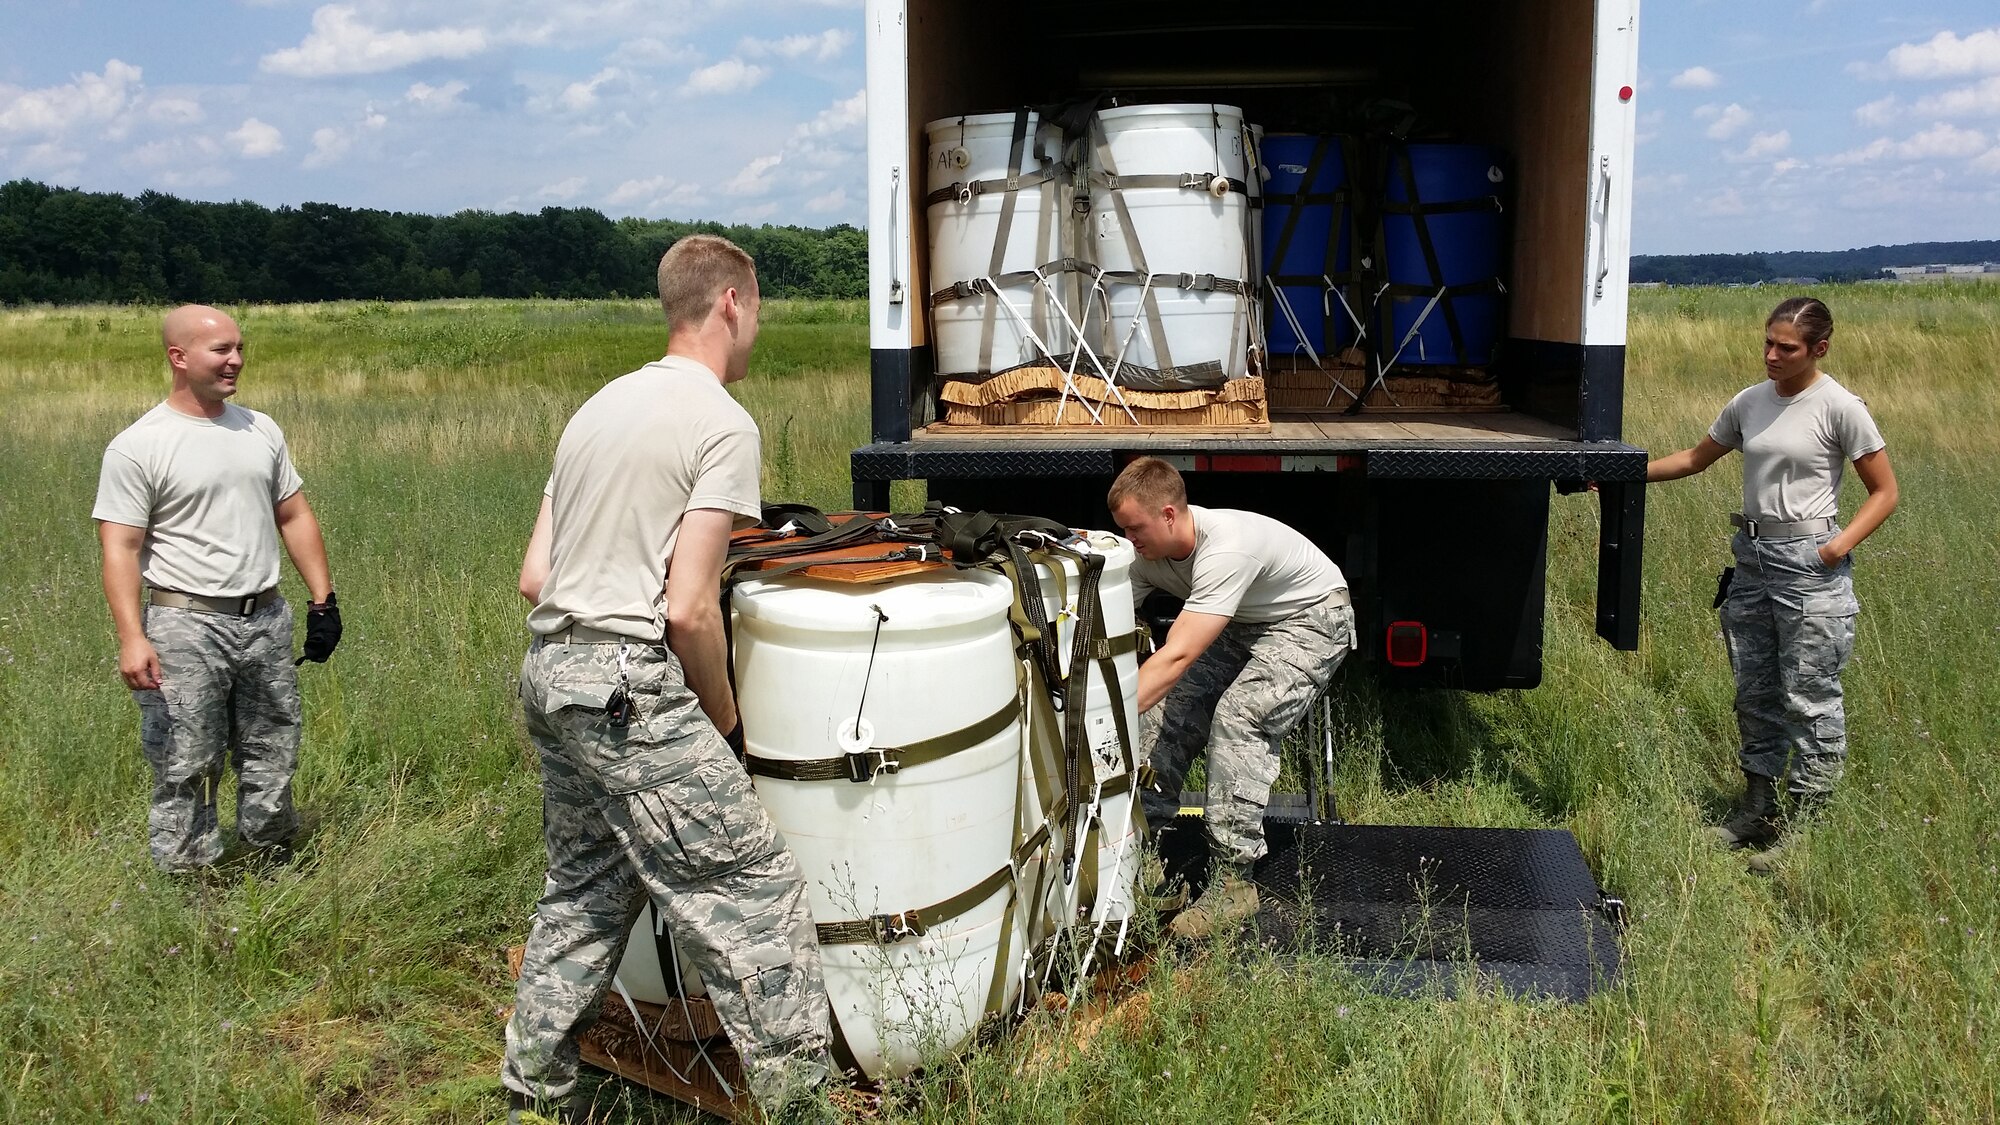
[1412, 908]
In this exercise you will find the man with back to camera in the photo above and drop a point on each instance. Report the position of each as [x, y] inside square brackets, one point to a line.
[1265, 623]
[192, 502]
[626, 690]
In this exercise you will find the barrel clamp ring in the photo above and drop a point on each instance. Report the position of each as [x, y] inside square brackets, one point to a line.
[887, 929]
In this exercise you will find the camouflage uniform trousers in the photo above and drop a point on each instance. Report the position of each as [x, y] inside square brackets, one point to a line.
[1788, 623]
[660, 809]
[1239, 699]
[228, 690]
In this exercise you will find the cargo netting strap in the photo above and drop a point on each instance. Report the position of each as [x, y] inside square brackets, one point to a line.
[865, 765]
[1441, 295]
[887, 929]
[1333, 280]
[854, 530]
[1107, 173]
[967, 190]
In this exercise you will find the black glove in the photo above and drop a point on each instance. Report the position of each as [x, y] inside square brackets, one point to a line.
[322, 630]
[735, 738]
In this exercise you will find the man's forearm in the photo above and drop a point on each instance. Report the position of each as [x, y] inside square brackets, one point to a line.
[704, 655]
[1158, 675]
[121, 593]
[307, 547]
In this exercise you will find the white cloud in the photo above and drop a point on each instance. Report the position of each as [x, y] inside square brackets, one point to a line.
[1763, 146]
[1942, 141]
[649, 51]
[841, 115]
[1878, 113]
[1788, 164]
[435, 99]
[1979, 100]
[52, 157]
[579, 96]
[1725, 121]
[1726, 202]
[653, 194]
[87, 99]
[1944, 55]
[755, 177]
[1989, 161]
[329, 145]
[730, 76]
[1695, 78]
[254, 138]
[340, 43]
[826, 45]
[561, 191]
[831, 201]
[174, 111]
[1656, 184]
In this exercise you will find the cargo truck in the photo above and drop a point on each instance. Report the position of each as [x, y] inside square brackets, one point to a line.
[1440, 521]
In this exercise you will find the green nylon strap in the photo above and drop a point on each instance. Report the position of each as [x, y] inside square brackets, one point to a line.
[996, 992]
[864, 765]
[886, 929]
[1076, 750]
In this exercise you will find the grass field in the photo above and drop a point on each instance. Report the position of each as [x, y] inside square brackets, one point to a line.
[1862, 983]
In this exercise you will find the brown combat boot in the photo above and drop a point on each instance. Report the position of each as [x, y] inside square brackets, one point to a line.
[1756, 819]
[1229, 900]
[1804, 806]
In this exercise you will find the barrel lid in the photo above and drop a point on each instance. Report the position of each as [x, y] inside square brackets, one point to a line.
[1169, 109]
[935, 599]
[976, 120]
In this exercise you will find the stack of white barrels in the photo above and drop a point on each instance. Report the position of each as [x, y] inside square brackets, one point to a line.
[1124, 250]
[942, 887]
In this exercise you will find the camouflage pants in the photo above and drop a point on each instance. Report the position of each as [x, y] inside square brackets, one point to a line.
[228, 692]
[1789, 625]
[659, 809]
[1239, 699]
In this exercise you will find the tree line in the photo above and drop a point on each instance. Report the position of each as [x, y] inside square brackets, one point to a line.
[64, 246]
[1861, 264]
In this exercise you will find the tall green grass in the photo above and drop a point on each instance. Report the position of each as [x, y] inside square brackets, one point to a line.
[363, 983]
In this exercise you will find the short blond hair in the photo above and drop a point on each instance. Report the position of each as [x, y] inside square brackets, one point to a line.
[1151, 482]
[695, 271]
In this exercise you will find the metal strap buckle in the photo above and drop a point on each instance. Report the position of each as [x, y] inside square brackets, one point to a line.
[887, 928]
[247, 606]
[1195, 181]
[863, 765]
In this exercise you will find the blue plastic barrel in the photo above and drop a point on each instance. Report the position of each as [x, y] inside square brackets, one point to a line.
[1305, 253]
[1469, 244]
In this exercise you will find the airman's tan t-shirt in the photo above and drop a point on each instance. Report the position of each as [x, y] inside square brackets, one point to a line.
[645, 449]
[1244, 566]
[204, 489]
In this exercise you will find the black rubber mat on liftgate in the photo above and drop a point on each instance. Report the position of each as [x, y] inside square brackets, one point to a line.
[1414, 907]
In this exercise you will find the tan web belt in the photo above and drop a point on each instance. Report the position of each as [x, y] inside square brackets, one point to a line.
[1777, 529]
[234, 607]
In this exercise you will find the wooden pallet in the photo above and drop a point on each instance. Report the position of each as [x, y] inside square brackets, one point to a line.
[1295, 386]
[1033, 396]
[667, 1056]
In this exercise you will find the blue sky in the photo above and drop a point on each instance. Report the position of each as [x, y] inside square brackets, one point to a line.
[1804, 124]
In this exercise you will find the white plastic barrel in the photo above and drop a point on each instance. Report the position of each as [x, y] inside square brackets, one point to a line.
[915, 658]
[647, 970]
[1114, 861]
[1174, 230]
[1015, 324]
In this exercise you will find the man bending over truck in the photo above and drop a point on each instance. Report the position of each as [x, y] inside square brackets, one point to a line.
[1265, 622]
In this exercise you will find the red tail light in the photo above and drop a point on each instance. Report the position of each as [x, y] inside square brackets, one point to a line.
[1408, 643]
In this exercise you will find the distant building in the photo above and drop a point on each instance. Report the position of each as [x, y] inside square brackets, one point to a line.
[1796, 281]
